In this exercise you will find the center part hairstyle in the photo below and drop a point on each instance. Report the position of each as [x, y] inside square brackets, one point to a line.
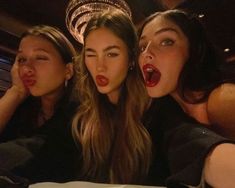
[205, 69]
[116, 146]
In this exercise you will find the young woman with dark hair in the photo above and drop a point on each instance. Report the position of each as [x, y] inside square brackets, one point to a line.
[189, 68]
[181, 69]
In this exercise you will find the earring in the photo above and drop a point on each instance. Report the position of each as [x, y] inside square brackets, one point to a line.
[65, 83]
[131, 68]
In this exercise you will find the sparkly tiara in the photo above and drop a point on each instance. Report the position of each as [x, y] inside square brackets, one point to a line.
[79, 12]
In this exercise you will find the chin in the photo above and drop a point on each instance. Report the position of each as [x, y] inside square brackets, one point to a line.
[36, 93]
[154, 93]
[102, 91]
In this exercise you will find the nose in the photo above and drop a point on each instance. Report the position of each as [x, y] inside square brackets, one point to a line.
[101, 66]
[147, 55]
[27, 68]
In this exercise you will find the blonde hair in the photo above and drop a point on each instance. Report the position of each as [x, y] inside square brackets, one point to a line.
[116, 147]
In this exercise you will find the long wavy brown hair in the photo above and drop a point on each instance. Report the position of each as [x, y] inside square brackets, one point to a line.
[116, 147]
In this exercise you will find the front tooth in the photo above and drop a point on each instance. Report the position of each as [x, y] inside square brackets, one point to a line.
[149, 70]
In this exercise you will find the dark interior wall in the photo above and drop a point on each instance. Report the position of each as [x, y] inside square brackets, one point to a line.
[17, 15]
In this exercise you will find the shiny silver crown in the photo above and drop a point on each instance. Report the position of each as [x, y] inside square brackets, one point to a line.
[79, 12]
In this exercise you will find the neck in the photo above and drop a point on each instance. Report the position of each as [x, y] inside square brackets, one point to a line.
[47, 105]
[49, 101]
[114, 96]
[197, 111]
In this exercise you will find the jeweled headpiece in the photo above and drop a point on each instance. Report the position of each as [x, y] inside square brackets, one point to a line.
[79, 12]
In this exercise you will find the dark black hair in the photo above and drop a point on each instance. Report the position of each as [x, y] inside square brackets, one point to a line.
[205, 68]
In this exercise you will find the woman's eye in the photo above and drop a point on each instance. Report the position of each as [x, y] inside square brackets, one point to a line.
[112, 54]
[142, 48]
[167, 42]
[43, 58]
[21, 60]
[89, 55]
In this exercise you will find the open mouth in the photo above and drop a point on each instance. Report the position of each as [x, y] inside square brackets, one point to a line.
[151, 75]
[102, 80]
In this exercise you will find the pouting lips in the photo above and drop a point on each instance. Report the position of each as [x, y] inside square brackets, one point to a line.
[102, 80]
[29, 82]
[152, 75]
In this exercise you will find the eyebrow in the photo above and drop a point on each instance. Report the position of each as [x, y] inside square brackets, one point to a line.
[162, 31]
[106, 49]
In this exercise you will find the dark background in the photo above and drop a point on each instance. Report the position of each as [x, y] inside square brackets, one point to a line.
[17, 15]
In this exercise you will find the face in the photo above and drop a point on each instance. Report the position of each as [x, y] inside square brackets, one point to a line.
[163, 53]
[106, 58]
[41, 67]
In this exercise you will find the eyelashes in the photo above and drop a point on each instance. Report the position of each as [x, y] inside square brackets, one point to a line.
[163, 43]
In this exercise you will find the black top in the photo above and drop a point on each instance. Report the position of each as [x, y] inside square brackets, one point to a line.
[180, 147]
[22, 141]
[23, 123]
[181, 144]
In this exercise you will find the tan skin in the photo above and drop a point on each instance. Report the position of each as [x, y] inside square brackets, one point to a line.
[167, 52]
[162, 45]
[106, 58]
[38, 71]
[221, 109]
[170, 46]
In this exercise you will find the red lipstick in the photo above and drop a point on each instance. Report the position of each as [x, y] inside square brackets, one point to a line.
[28, 82]
[151, 75]
[102, 80]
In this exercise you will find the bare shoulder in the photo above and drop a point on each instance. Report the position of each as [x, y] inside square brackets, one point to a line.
[221, 107]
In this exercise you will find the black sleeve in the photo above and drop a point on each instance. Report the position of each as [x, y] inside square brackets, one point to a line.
[9, 180]
[59, 158]
[22, 122]
[188, 146]
[16, 152]
[186, 143]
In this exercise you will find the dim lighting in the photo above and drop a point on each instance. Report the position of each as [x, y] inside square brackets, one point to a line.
[79, 12]
[201, 15]
[226, 50]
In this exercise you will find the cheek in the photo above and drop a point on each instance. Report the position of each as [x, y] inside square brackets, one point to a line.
[21, 72]
[119, 72]
[170, 73]
[175, 71]
[58, 68]
[141, 60]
